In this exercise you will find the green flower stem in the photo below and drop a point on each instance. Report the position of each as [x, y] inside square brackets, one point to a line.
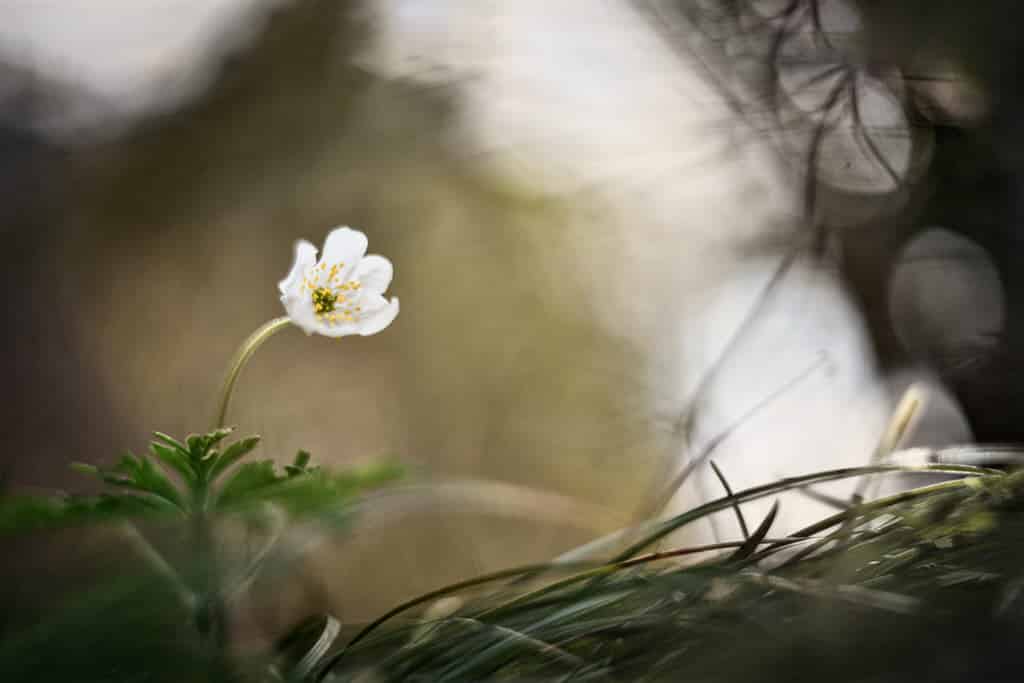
[146, 550]
[278, 520]
[212, 618]
[211, 612]
[245, 351]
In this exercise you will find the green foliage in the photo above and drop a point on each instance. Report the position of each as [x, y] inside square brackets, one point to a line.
[924, 585]
[170, 624]
[232, 454]
[30, 513]
[175, 460]
[300, 489]
[210, 479]
[139, 474]
[132, 630]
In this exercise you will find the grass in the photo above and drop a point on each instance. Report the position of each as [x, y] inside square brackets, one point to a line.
[923, 585]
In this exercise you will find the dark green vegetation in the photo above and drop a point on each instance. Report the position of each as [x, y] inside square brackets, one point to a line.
[202, 529]
[923, 585]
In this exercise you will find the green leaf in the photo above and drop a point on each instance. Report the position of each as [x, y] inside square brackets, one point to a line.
[305, 644]
[300, 465]
[217, 435]
[139, 473]
[231, 455]
[754, 540]
[131, 628]
[196, 445]
[86, 468]
[307, 492]
[22, 514]
[485, 656]
[118, 480]
[176, 460]
[201, 451]
[172, 442]
[199, 445]
[248, 479]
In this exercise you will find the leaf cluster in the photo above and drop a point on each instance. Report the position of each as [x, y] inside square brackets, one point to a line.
[201, 475]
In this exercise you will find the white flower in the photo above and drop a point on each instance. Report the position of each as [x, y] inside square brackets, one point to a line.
[343, 292]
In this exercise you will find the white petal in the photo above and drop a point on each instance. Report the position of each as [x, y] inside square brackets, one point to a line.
[371, 302]
[305, 256]
[375, 273]
[374, 321]
[344, 245]
[338, 329]
[300, 310]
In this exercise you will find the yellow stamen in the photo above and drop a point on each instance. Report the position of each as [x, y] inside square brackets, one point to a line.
[324, 300]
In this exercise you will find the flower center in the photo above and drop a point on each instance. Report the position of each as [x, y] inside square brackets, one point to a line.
[334, 301]
[324, 300]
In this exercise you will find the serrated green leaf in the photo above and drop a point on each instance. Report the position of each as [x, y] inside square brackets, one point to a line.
[176, 460]
[217, 435]
[374, 474]
[172, 442]
[200, 453]
[28, 513]
[301, 460]
[231, 455]
[140, 474]
[248, 479]
[197, 447]
[308, 492]
[86, 468]
[119, 480]
[200, 444]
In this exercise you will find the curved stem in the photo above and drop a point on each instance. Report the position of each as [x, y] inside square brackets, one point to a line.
[278, 520]
[145, 549]
[245, 351]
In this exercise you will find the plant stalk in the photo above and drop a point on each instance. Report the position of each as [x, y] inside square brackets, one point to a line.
[242, 356]
[211, 613]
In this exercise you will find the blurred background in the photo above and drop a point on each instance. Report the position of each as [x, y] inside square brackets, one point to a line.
[624, 233]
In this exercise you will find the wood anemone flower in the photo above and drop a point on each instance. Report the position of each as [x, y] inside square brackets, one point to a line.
[342, 293]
